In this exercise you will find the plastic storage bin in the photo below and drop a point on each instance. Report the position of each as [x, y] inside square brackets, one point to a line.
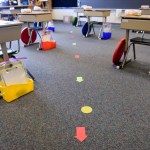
[48, 45]
[13, 80]
[51, 26]
[106, 35]
[51, 29]
[12, 92]
[106, 31]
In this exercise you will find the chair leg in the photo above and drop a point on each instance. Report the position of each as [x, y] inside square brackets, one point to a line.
[10, 44]
[100, 33]
[79, 22]
[125, 57]
[142, 34]
[134, 54]
[30, 36]
[93, 29]
[38, 34]
[29, 73]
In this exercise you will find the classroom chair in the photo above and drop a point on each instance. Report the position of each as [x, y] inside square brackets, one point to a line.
[139, 40]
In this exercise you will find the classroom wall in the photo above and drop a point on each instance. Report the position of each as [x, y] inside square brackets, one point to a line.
[59, 13]
[122, 4]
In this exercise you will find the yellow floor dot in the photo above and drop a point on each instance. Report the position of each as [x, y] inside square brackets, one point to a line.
[86, 109]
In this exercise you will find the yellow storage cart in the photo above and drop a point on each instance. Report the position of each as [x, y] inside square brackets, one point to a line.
[13, 80]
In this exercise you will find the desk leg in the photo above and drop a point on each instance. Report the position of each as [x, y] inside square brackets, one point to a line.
[28, 24]
[126, 49]
[77, 20]
[44, 28]
[127, 40]
[4, 50]
[101, 28]
[88, 31]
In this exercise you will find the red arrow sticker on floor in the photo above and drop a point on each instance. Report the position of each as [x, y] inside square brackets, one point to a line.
[80, 134]
[77, 56]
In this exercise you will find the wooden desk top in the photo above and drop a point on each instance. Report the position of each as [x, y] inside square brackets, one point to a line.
[98, 10]
[16, 6]
[35, 16]
[94, 12]
[136, 22]
[147, 17]
[80, 10]
[9, 23]
[35, 13]
[9, 12]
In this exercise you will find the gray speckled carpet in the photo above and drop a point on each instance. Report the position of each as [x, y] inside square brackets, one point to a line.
[46, 119]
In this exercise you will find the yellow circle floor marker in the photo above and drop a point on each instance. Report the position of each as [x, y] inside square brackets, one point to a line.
[86, 109]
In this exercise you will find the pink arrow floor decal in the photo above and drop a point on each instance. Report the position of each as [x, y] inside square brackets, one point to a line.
[80, 134]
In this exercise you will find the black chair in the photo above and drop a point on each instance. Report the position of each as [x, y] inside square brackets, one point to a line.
[138, 40]
[11, 53]
[79, 23]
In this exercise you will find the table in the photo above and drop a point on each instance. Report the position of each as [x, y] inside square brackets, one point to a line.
[35, 17]
[94, 13]
[133, 23]
[10, 31]
[16, 6]
[10, 12]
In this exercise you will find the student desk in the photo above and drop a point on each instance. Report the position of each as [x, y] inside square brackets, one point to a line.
[134, 23]
[5, 10]
[35, 17]
[10, 31]
[16, 6]
[10, 12]
[94, 13]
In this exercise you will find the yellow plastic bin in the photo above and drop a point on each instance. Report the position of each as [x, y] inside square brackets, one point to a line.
[12, 92]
